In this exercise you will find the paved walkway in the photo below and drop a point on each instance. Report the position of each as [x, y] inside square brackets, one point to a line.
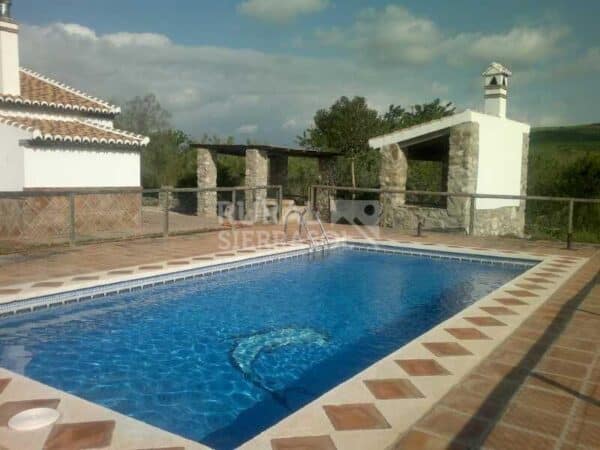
[539, 390]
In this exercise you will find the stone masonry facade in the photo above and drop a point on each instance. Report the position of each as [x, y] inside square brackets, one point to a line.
[207, 178]
[463, 160]
[257, 174]
[47, 218]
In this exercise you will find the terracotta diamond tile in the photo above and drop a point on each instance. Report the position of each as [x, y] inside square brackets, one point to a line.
[498, 311]
[48, 284]
[422, 367]
[120, 272]
[3, 383]
[225, 254]
[86, 278]
[446, 349]
[79, 436]
[358, 416]
[546, 275]
[303, 443]
[485, 321]
[510, 301]
[178, 263]
[538, 280]
[554, 270]
[467, 333]
[522, 293]
[9, 409]
[150, 267]
[531, 286]
[388, 389]
[9, 291]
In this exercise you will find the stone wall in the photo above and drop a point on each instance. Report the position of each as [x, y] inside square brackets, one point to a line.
[407, 217]
[393, 174]
[257, 174]
[207, 178]
[46, 218]
[463, 156]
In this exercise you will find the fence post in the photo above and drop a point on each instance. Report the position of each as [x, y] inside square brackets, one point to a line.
[166, 205]
[72, 234]
[472, 216]
[234, 210]
[570, 230]
[279, 204]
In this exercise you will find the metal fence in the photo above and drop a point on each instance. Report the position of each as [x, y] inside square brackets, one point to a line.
[555, 220]
[35, 218]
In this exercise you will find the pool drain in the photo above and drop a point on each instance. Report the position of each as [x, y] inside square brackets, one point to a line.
[33, 419]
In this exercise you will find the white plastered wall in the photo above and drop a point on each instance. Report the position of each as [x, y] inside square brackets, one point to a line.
[11, 158]
[500, 159]
[56, 167]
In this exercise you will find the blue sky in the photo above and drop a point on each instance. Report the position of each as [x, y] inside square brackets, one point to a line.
[259, 69]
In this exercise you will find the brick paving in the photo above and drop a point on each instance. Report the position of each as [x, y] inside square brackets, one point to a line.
[539, 390]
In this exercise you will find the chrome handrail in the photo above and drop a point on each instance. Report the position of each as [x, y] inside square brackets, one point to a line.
[301, 223]
[318, 219]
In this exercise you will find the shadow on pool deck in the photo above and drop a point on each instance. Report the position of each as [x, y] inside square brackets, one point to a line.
[548, 399]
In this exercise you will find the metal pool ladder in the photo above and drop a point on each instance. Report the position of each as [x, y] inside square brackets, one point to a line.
[302, 225]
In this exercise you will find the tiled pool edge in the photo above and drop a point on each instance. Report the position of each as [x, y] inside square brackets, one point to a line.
[28, 301]
[334, 419]
[319, 423]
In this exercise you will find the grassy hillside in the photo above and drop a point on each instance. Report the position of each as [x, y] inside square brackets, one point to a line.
[564, 161]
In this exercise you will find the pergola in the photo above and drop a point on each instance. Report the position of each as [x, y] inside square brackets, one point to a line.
[265, 165]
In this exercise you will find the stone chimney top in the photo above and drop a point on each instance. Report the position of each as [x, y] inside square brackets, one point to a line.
[5, 9]
[496, 89]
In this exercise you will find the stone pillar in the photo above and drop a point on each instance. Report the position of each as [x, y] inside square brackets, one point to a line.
[324, 199]
[463, 157]
[393, 173]
[278, 170]
[257, 171]
[207, 178]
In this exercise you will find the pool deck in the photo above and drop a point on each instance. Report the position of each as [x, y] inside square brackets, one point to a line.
[532, 382]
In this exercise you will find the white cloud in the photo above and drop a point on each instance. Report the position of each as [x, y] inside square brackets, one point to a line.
[393, 35]
[280, 11]
[290, 124]
[247, 129]
[521, 45]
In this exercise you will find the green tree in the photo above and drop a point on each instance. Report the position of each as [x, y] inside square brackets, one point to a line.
[398, 117]
[346, 127]
[143, 115]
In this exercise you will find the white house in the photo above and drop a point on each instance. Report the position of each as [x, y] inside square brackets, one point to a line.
[53, 136]
[481, 153]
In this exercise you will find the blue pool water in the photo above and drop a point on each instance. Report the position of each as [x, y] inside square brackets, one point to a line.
[221, 358]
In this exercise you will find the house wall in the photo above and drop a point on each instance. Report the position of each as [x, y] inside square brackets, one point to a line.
[11, 158]
[501, 150]
[61, 167]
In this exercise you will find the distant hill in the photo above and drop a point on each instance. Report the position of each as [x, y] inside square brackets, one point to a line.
[566, 140]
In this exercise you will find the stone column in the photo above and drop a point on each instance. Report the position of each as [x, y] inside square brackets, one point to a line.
[324, 199]
[257, 171]
[393, 173]
[463, 157]
[207, 178]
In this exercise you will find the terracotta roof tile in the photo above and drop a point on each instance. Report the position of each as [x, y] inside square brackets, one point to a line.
[73, 131]
[37, 90]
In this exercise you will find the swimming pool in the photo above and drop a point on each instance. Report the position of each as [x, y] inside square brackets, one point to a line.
[221, 358]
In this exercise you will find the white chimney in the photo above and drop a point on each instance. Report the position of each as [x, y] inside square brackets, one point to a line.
[496, 89]
[10, 83]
